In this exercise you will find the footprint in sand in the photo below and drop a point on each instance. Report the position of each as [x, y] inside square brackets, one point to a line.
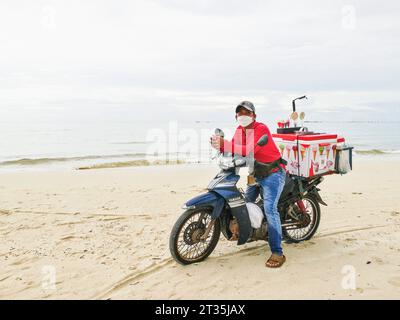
[67, 237]
[378, 260]
[395, 282]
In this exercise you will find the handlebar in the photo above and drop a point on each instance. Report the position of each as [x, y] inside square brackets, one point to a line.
[240, 162]
[232, 162]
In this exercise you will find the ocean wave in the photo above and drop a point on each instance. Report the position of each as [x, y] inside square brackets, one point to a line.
[376, 152]
[132, 142]
[41, 161]
[133, 163]
[135, 159]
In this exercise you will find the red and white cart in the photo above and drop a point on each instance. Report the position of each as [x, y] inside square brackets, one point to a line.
[309, 154]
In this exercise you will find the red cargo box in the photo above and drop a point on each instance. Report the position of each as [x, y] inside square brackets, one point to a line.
[308, 154]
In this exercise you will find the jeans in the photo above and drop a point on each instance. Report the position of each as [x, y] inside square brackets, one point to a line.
[271, 187]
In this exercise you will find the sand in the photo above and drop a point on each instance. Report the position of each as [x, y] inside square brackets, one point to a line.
[103, 234]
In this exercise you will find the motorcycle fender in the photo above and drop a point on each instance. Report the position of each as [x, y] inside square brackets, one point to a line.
[209, 199]
[239, 210]
[318, 197]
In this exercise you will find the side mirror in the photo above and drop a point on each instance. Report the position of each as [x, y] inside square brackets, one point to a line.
[263, 140]
[219, 132]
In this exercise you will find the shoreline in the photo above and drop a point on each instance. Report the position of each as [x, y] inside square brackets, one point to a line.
[140, 163]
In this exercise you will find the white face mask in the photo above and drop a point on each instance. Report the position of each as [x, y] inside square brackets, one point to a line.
[244, 121]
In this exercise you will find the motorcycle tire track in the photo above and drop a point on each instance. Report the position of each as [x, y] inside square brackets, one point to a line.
[67, 213]
[323, 235]
[135, 276]
[132, 277]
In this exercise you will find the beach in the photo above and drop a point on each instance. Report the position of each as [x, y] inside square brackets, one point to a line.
[103, 234]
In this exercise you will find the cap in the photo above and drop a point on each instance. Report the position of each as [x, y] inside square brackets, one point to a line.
[247, 105]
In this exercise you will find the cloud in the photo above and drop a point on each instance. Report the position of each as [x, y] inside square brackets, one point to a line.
[198, 55]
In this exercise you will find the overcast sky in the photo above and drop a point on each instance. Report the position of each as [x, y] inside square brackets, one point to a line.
[197, 59]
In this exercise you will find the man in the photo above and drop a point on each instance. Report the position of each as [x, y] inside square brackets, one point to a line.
[269, 172]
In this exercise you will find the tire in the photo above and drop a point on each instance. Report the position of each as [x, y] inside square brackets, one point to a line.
[177, 230]
[315, 223]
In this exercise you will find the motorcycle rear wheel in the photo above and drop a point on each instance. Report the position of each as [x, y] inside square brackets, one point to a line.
[185, 244]
[305, 233]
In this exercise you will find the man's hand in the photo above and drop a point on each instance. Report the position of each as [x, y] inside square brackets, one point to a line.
[216, 142]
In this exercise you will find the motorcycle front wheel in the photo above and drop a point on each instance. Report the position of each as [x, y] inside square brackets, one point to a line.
[185, 242]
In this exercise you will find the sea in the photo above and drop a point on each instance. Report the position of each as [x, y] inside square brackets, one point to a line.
[48, 146]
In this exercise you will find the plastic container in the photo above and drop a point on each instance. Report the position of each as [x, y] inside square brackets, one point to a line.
[344, 159]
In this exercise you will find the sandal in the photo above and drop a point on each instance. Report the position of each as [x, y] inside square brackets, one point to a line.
[275, 261]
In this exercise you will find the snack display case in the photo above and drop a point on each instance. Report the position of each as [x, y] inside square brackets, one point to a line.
[311, 154]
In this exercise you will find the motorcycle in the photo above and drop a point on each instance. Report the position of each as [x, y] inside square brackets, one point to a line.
[197, 231]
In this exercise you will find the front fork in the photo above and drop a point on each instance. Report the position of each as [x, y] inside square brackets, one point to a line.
[208, 229]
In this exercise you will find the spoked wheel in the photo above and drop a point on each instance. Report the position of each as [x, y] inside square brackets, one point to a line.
[303, 225]
[186, 242]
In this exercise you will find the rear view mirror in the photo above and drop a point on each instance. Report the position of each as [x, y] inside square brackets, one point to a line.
[263, 140]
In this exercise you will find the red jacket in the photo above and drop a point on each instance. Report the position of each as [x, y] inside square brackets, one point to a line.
[245, 141]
